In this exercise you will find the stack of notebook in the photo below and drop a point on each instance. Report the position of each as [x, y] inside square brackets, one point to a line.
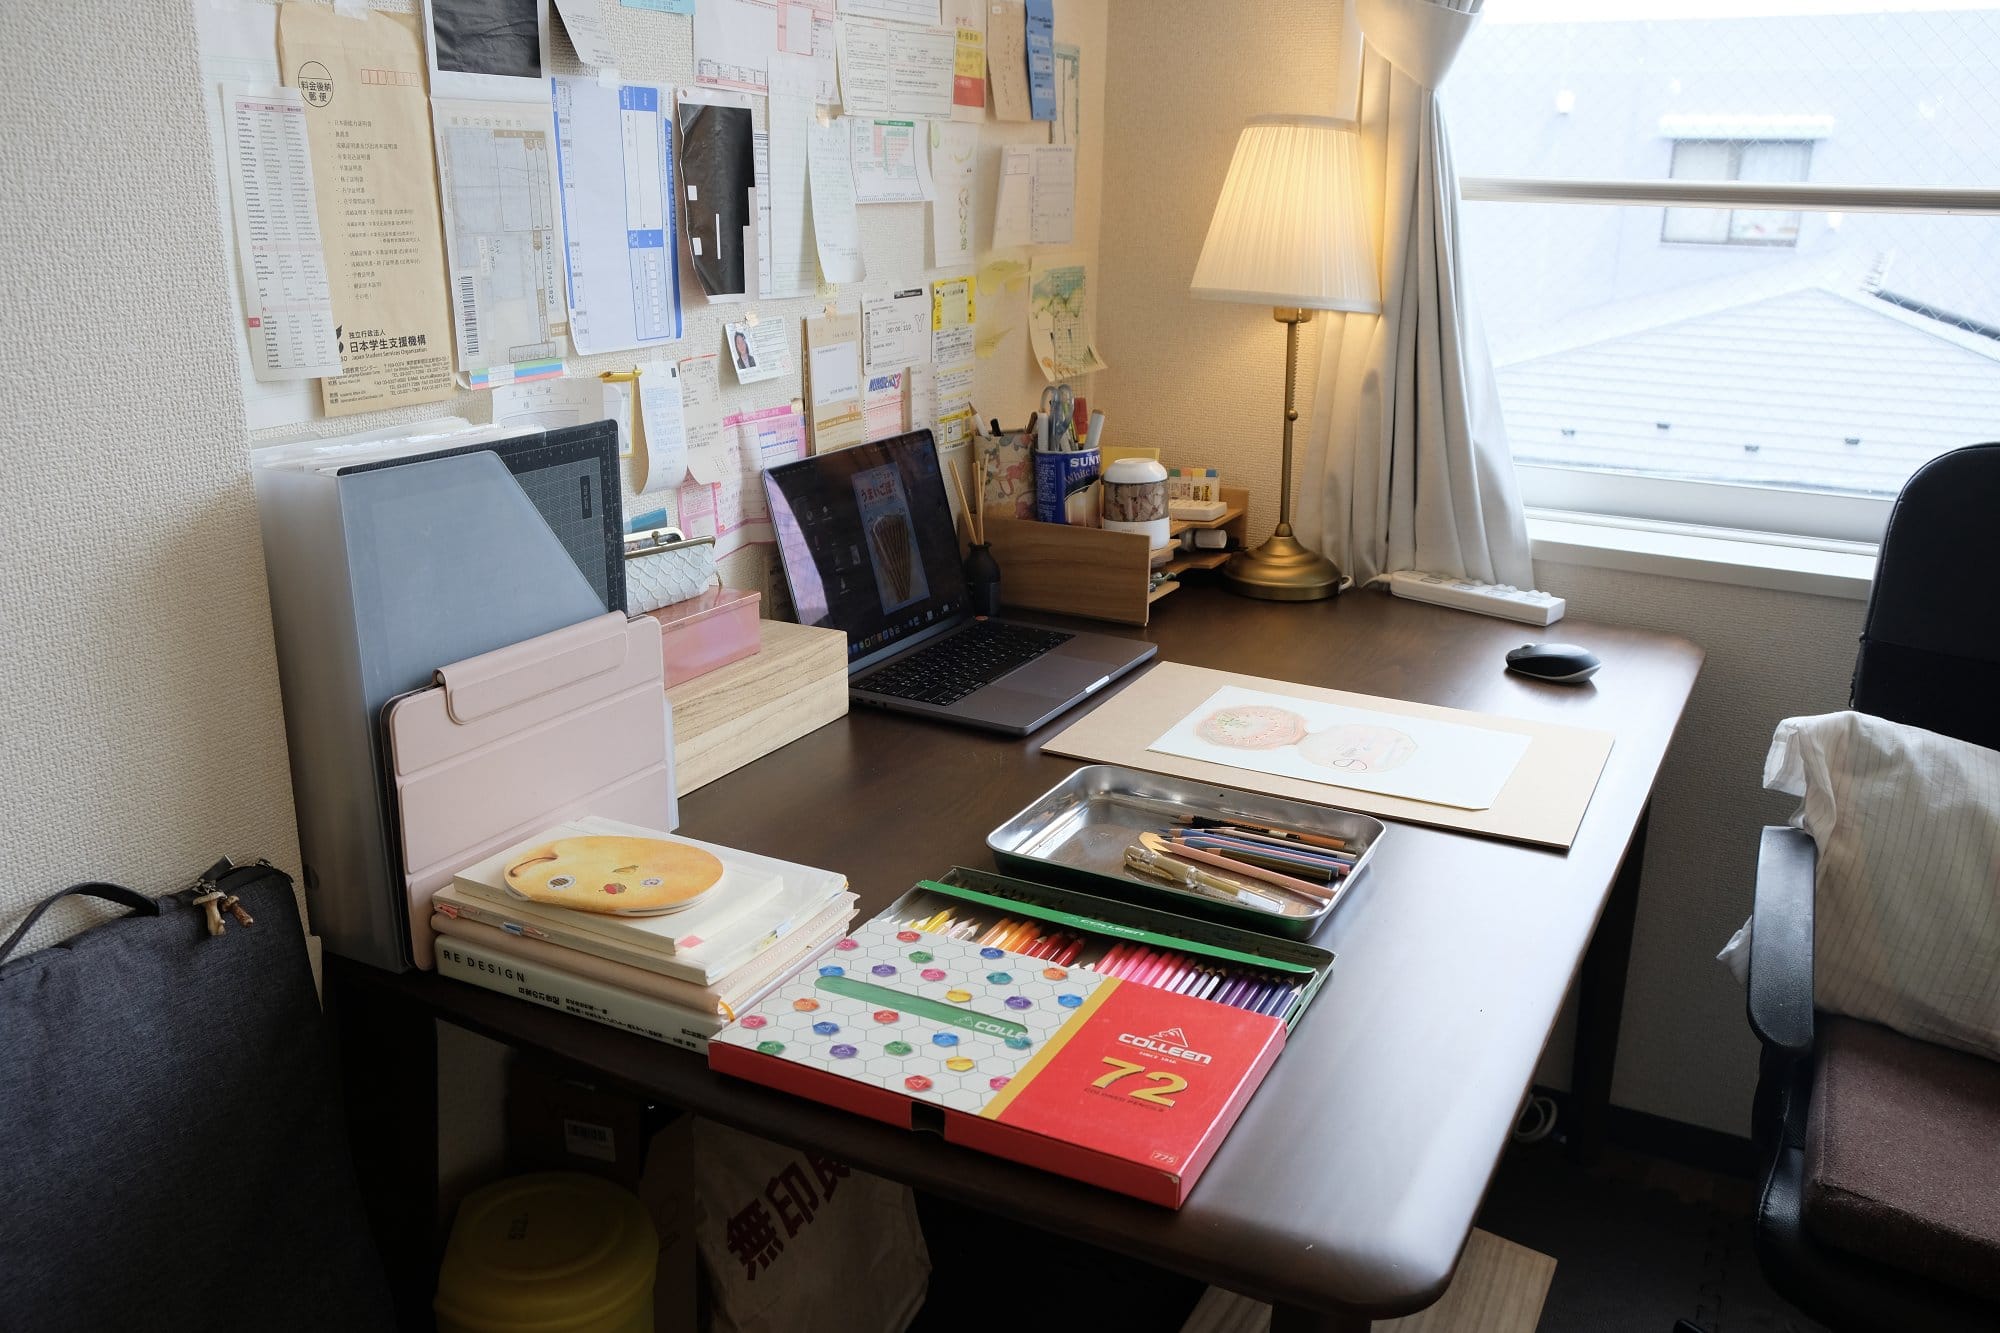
[597, 918]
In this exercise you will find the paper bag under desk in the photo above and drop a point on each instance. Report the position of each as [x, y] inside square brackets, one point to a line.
[1542, 803]
[508, 743]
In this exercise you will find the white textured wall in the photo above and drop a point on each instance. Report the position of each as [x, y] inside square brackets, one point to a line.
[1204, 381]
[139, 728]
[1686, 1051]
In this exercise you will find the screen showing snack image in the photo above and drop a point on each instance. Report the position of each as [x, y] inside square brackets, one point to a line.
[618, 875]
[892, 539]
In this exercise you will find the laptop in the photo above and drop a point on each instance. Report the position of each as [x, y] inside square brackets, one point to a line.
[869, 548]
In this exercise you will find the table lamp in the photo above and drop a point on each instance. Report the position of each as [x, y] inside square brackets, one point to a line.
[1289, 232]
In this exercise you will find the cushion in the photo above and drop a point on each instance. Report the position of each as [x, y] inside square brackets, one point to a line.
[1906, 898]
[1903, 1155]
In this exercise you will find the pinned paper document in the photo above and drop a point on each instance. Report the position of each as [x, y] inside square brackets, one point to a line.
[895, 330]
[1037, 204]
[616, 143]
[836, 230]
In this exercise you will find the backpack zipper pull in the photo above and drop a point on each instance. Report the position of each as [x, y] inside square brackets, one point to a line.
[206, 901]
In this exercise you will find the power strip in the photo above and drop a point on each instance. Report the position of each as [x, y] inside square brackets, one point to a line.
[1530, 607]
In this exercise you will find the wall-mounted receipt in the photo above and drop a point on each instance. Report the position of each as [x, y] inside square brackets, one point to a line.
[663, 462]
[792, 256]
[833, 372]
[497, 176]
[708, 453]
[891, 69]
[836, 230]
[584, 21]
[1037, 204]
[895, 330]
[624, 276]
[287, 304]
[890, 164]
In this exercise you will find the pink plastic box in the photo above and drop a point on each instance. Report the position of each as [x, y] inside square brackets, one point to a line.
[705, 632]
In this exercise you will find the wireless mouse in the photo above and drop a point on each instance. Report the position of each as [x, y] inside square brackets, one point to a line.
[1563, 663]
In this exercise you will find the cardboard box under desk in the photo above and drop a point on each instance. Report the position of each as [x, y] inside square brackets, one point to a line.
[796, 682]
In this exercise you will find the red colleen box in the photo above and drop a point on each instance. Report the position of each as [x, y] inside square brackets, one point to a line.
[1120, 1084]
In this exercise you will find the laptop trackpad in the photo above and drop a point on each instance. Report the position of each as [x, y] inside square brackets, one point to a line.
[1054, 676]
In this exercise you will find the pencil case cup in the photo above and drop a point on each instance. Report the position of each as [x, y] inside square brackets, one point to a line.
[1066, 486]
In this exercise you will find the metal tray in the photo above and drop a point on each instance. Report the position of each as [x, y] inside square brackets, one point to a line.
[1077, 832]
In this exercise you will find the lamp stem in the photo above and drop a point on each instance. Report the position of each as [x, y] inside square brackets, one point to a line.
[1292, 319]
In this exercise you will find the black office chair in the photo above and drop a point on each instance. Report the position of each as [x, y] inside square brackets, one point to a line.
[1930, 657]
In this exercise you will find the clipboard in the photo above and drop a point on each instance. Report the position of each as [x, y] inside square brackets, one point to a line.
[506, 744]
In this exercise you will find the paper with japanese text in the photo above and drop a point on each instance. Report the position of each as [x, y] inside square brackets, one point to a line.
[735, 40]
[1037, 203]
[895, 330]
[288, 306]
[503, 236]
[793, 262]
[1007, 59]
[1041, 40]
[757, 350]
[377, 199]
[836, 227]
[891, 69]
[967, 21]
[709, 452]
[833, 373]
[615, 155]
[663, 459]
[954, 317]
[890, 163]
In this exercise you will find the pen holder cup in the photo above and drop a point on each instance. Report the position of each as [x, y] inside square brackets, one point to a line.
[982, 580]
[1066, 486]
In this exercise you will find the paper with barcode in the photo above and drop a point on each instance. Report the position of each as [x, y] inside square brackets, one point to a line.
[503, 237]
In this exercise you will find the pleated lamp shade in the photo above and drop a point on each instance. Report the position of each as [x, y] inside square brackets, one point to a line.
[1290, 229]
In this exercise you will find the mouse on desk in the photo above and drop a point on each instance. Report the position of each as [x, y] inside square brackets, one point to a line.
[1562, 663]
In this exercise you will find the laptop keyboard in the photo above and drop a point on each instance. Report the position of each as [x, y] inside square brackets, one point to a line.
[955, 666]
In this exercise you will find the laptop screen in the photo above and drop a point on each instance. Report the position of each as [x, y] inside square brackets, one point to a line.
[868, 543]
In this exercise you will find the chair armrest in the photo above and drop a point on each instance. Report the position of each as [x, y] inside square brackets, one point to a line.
[1781, 942]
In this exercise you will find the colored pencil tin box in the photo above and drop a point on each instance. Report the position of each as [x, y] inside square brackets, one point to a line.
[1076, 834]
[1102, 1041]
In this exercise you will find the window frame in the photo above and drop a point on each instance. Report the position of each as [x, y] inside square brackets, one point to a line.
[1737, 150]
[1814, 515]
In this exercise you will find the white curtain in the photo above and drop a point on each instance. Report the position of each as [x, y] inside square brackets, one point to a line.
[1407, 464]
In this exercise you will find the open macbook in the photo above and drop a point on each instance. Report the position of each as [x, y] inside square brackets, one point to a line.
[869, 549]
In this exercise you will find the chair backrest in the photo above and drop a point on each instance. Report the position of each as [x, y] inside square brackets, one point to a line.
[1930, 648]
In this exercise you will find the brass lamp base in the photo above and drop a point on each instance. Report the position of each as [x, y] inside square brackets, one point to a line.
[1282, 570]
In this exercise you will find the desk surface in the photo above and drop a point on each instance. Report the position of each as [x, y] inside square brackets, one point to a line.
[1353, 1177]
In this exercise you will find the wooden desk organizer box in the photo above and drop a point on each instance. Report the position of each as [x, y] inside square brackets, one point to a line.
[1093, 572]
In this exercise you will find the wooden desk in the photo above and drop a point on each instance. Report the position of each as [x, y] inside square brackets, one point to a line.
[1348, 1187]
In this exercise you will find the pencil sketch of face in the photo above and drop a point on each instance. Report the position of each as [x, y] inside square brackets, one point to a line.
[1358, 748]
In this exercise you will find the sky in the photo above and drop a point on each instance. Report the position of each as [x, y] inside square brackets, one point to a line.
[1602, 11]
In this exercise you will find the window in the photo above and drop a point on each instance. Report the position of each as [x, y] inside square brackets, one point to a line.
[1727, 160]
[1738, 263]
